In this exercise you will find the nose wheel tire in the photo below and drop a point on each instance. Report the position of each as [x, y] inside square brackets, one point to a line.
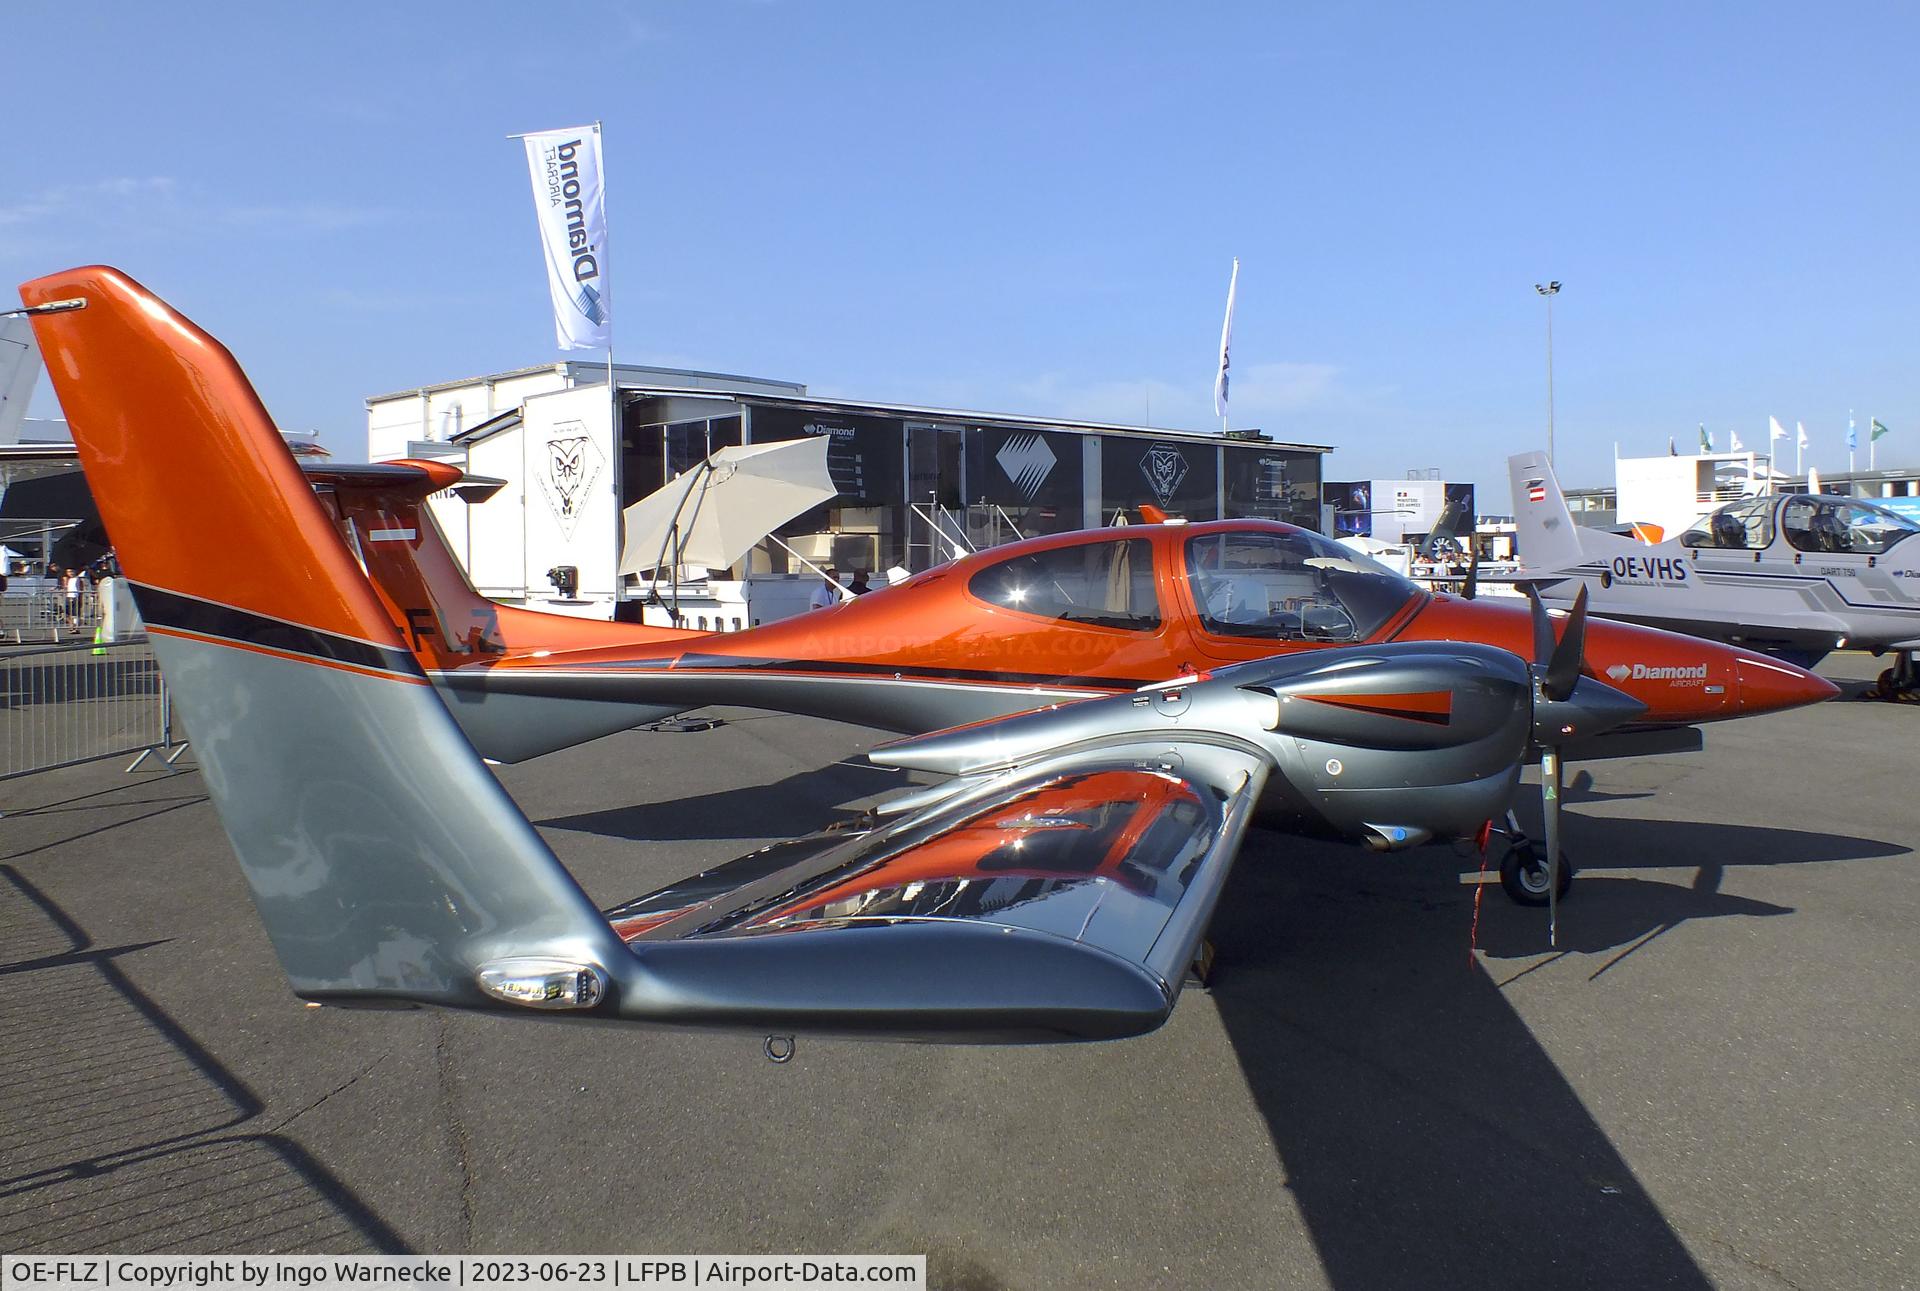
[1523, 875]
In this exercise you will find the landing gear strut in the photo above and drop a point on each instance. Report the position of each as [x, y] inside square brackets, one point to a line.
[1523, 869]
[1900, 684]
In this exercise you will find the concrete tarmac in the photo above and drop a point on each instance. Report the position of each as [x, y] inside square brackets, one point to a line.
[1712, 1081]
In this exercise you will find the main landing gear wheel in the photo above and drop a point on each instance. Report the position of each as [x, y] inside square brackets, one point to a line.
[1899, 684]
[1523, 875]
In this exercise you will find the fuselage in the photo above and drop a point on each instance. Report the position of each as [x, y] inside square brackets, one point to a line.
[1796, 575]
[1094, 612]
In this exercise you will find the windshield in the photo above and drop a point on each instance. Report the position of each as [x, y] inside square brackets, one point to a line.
[1106, 584]
[1291, 587]
[1746, 525]
[1843, 526]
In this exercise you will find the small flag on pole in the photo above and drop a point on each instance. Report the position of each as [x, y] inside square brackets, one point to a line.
[1706, 440]
[570, 200]
[1801, 426]
[1875, 428]
[1226, 344]
[1853, 437]
[1735, 446]
[1775, 430]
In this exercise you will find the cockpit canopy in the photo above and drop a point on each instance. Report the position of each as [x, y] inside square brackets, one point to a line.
[1830, 524]
[1268, 583]
[1822, 523]
[1290, 586]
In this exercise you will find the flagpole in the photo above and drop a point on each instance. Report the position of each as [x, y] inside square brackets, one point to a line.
[1871, 437]
[1222, 398]
[614, 434]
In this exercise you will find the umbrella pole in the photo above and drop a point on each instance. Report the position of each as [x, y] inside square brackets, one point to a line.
[676, 574]
[845, 595]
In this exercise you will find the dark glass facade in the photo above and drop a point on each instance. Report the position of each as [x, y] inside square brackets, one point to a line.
[913, 488]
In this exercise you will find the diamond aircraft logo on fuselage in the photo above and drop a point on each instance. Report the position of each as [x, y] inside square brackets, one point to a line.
[1619, 672]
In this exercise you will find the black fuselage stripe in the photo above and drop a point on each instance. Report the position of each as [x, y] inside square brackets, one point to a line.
[712, 663]
[165, 609]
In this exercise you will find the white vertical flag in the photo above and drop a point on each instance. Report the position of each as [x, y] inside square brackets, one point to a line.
[1775, 430]
[570, 199]
[1226, 343]
[1800, 445]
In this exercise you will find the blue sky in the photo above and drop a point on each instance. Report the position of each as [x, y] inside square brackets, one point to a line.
[1029, 207]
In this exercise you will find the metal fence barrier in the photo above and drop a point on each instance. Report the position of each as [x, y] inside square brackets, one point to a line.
[64, 704]
[47, 614]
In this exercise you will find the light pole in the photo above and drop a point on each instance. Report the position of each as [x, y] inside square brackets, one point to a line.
[1549, 290]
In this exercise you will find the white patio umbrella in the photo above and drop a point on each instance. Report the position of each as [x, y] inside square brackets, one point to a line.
[713, 514]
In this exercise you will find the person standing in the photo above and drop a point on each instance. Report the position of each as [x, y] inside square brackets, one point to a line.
[827, 594]
[70, 584]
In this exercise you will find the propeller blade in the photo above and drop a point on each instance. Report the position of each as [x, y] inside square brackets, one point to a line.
[1563, 669]
[1542, 627]
[1550, 816]
[1471, 587]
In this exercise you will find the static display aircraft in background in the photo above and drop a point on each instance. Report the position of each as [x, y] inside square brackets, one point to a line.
[1055, 887]
[1796, 575]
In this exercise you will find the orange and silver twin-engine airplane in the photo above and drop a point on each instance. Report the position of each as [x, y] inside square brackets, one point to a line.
[1033, 623]
[1107, 708]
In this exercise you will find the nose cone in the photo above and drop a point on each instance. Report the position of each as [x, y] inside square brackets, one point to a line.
[1593, 709]
[1769, 685]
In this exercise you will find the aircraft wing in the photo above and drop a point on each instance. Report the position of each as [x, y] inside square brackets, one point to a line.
[1061, 902]
[1057, 900]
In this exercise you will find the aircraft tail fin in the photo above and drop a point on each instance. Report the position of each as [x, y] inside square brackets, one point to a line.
[387, 864]
[1547, 539]
[384, 513]
[19, 368]
[382, 856]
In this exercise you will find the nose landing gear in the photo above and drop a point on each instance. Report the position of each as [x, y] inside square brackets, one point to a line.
[1523, 867]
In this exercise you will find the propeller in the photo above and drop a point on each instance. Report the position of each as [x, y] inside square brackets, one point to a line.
[1566, 705]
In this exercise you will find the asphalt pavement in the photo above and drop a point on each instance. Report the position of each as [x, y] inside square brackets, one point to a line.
[1713, 1081]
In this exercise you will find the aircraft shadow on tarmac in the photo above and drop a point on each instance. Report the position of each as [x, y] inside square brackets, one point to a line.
[1428, 1138]
[779, 809]
[122, 1133]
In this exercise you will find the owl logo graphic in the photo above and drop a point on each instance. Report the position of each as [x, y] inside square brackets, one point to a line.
[566, 467]
[573, 464]
[1164, 466]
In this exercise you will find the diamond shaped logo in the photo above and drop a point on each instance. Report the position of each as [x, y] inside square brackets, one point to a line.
[1027, 461]
[1620, 672]
[1164, 466]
